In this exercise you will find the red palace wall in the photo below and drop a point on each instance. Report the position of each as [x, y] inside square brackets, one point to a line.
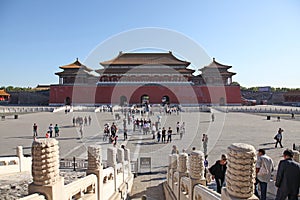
[178, 94]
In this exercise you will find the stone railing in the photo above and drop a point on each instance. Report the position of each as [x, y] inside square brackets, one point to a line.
[34, 197]
[25, 109]
[15, 164]
[86, 187]
[114, 182]
[254, 109]
[189, 183]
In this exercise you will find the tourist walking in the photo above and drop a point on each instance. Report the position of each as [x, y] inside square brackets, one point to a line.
[205, 163]
[124, 123]
[153, 131]
[163, 135]
[264, 168]
[125, 134]
[35, 128]
[50, 130]
[177, 127]
[169, 135]
[74, 121]
[182, 130]
[204, 142]
[174, 150]
[158, 134]
[218, 171]
[90, 120]
[81, 130]
[288, 177]
[56, 130]
[278, 138]
[212, 117]
[113, 129]
[106, 132]
[85, 121]
[293, 116]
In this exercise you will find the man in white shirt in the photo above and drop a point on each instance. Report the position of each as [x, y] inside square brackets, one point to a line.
[264, 168]
[153, 131]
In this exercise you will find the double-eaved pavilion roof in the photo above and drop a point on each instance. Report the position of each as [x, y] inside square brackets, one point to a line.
[76, 65]
[76, 68]
[216, 65]
[3, 93]
[135, 59]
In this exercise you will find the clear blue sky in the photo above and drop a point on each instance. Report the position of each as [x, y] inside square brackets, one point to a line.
[260, 39]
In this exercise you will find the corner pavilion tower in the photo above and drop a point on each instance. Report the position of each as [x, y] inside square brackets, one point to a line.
[155, 78]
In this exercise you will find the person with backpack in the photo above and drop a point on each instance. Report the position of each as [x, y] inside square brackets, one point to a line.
[264, 168]
[278, 137]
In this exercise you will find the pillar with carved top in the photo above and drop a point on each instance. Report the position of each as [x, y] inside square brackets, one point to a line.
[241, 172]
[95, 167]
[121, 159]
[196, 169]
[112, 162]
[181, 170]
[45, 169]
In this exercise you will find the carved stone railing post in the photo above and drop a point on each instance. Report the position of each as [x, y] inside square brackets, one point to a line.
[127, 158]
[182, 163]
[240, 174]
[196, 169]
[173, 168]
[121, 159]
[95, 167]
[169, 170]
[20, 152]
[112, 162]
[181, 170]
[20, 155]
[45, 169]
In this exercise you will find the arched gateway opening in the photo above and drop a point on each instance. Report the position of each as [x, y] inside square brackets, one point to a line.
[68, 101]
[123, 100]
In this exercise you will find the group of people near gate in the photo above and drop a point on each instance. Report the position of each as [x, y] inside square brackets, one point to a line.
[287, 177]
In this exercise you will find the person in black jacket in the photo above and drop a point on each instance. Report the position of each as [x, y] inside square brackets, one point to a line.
[218, 171]
[288, 177]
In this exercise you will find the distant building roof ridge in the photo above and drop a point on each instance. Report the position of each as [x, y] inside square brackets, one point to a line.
[145, 58]
[76, 65]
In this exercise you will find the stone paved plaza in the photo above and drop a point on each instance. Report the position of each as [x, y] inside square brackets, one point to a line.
[227, 128]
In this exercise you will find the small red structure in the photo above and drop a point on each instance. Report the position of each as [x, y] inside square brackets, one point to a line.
[135, 78]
